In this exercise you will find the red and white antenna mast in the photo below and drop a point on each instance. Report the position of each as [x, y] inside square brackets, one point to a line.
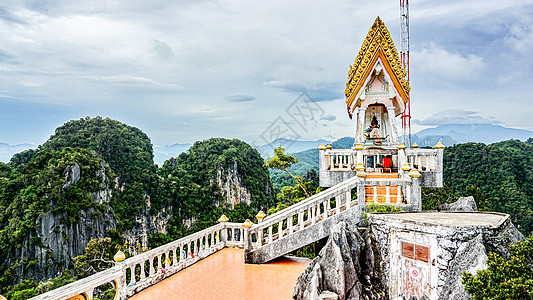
[404, 57]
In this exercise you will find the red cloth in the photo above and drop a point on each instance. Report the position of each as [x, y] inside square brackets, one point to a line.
[386, 162]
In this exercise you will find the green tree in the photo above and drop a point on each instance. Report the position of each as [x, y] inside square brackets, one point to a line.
[282, 161]
[504, 279]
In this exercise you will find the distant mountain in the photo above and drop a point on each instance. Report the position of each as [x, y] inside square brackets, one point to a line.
[7, 151]
[291, 146]
[163, 153]
[451, 134]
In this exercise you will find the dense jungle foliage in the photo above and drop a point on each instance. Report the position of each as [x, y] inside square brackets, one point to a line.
[126, 149]
[502, 171]
[187, 184]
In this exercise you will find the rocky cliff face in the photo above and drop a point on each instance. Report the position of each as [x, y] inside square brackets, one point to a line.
[55, 241]
[347, 266]
[146, 224]
[232, 185]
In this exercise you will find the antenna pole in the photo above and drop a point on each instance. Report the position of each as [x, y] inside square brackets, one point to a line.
[404, 57]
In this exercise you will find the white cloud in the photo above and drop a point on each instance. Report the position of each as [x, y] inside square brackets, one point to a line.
[454, 116]
[435, 61]
[152, 63]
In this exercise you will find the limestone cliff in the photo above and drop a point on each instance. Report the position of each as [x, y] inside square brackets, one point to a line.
[232, 185]
[57, 238]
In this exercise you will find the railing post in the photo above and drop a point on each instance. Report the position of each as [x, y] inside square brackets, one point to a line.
[348, 196]
[224, 232]
[290, 225]
[247, 238]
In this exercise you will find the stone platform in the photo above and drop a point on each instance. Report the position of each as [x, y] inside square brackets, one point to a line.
[449, 219]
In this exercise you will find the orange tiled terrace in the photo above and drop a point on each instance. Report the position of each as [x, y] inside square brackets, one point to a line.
[224, 275]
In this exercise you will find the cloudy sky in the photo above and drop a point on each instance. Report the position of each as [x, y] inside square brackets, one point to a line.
[188, 70]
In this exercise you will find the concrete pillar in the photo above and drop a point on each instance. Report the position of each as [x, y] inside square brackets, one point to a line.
[361, 193]
[416, 194]
[439, 167]
[393, 129]
[223, 235]
[360, 157]
[402, 159]
[247, 243]
[322, 165]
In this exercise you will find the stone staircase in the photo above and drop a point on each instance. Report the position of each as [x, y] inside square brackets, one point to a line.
[312, 219]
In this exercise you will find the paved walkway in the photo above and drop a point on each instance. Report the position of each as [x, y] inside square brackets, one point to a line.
[224, 275]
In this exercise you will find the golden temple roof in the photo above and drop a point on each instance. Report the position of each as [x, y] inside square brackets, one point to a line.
[377, 44]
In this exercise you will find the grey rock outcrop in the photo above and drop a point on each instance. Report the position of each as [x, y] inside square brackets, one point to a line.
[345, 266]
[71, 175]
[455, 248]
[462, 204]
[232, 185]
[471, 256]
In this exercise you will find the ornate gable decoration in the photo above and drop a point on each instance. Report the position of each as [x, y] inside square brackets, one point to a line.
[377, 45]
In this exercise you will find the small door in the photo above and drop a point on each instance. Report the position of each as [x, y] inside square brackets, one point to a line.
[370, 163]
[414, 275]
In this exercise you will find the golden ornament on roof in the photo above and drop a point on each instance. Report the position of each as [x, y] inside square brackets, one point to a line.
[414, 173]
[247, 223]
[260, 215]
[119, 256]
[222, 219]
[406, 167]
[439, 145]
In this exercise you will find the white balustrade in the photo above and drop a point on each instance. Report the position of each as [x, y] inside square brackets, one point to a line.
[143, 270]
[424, 159]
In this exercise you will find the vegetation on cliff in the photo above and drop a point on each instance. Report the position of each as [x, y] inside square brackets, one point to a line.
[30, 190]
[505, 279]
[187, 186]
[118, 158]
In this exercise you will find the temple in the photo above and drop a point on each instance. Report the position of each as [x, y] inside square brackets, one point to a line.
[376, 91]
[376, 94]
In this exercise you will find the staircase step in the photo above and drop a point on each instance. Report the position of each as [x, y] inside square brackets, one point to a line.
[381, 175]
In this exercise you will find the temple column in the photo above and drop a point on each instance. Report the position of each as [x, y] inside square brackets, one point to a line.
[361, 113]
[391, 123]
